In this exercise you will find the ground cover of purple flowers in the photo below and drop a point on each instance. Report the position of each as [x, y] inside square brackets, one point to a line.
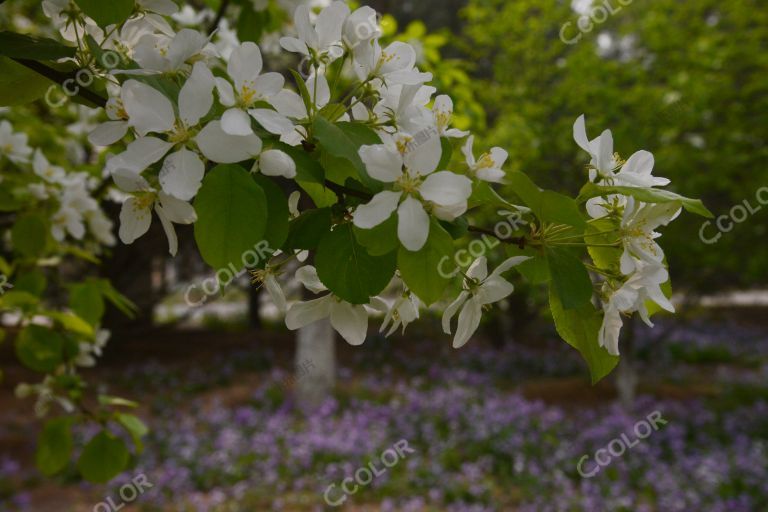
[479, 443]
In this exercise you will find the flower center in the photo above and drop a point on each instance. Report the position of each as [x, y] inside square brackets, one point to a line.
[409, 184]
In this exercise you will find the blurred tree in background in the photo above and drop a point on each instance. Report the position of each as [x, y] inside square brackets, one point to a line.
[684, 80]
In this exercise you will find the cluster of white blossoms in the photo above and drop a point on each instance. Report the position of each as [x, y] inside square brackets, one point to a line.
[223, 105]
[69, 195]
[224, 108]
[642, 261]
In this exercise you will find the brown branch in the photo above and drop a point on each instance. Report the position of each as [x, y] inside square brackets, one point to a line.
[518, 241]
[219, 15]
[62, 78]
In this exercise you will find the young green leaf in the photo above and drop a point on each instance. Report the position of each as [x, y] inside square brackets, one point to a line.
[346, 268]
[29, 235]
[380, 240]
[107, 13]
[646, 195]
[54, 446]
[19, 46]
[580, 328]
[103, 458]
[232, 216]
[570, 278]
[306, 230]
[421, 269]
[40, 348]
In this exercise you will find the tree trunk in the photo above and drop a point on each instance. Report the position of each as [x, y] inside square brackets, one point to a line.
[315, 364]
[626, 373]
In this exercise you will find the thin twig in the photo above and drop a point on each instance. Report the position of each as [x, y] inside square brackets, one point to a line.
[219, 15]
[61, 78]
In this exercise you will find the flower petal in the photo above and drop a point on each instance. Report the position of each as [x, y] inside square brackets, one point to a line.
[307, 276]
[220, 147]
[350, 321]
[182, 174]
[446, 188]
[245, 64]
[382, 162]
[412, 225]
[451, 310]
[148, 109]
[196, 97]
[274, 162]
[378, 210]
[272, 121]
[135, 220]
[236, 122]
[177, 211]
[302, 314]
[108, 133]
[469, 321]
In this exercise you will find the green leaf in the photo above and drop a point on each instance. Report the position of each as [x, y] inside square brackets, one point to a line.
[484, 195]
[33, 282]
[107, 13]
[346, 268]
[103, 458]
[278, 213]
[338, 169]
[54, 446]
[303, 91]
[86, 300]
[343, 140]
[18, 86]
[604, 232]
[135, 427]
[445, 158]
[580, 328]
[251, 23]
[570, 278]
[333, 111]
[18, 46]
[547, 205]
[116, 401]
[117, 299]
[380, 240]
[419, 269]
[232, 216]
[536, 269]
[40, 348]
[646, 195]
[72, 323]
[8, 202]
[306, 230]
[29, 235]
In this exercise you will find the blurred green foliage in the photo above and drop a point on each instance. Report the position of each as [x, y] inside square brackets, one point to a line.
[684, 80]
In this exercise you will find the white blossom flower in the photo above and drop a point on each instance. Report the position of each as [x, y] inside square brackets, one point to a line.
[44, 169]
[290, 110]
[13, 145]
[395, 64]
[489, 166]
[349, 320]
[604, 161]
[480, 289]
[642, 286]
[244, 68]
[323, 40]
[274, 162]
[417, 188]
[113, 130]
[638, 225]
[150, 111]
[159, 53]
[136, 213]
[402, 312]
[443, 114]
